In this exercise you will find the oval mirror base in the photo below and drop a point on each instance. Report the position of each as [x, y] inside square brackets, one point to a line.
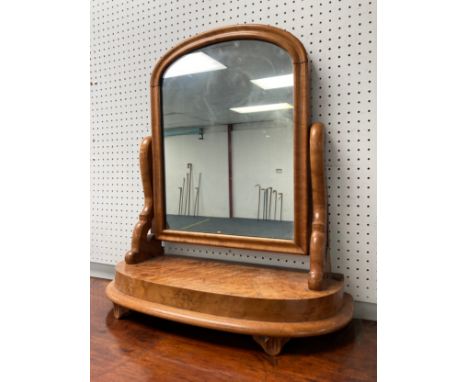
[270, 304]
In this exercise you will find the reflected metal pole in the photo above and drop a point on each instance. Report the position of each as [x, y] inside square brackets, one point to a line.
[258, 207]
[189, 186]
[281, 205]
[196, 204]
[183, 197]
[180, 200]
[264, 194]
[269, 202]
[276, 199]
[229, 150]
[187, 193]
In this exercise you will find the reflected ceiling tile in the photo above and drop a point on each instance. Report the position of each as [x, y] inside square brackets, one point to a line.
[259, 108]
[275, 82]
[198, 62]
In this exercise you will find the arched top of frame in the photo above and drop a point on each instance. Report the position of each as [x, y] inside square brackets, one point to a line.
[279, 37]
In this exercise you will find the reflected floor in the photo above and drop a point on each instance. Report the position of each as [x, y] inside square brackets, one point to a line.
[234, 226]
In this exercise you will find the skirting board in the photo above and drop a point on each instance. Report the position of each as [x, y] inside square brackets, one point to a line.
[362, 310]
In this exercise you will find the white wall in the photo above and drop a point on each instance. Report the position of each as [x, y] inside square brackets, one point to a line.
[208, 156]
[258, 149]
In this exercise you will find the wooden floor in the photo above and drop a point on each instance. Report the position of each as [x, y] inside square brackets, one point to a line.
[144, 348]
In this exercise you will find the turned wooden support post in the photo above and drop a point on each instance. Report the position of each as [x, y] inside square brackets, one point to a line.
[142, 246]
[318, 237]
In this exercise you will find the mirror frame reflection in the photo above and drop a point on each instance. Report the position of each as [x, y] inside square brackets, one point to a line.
[299, 244]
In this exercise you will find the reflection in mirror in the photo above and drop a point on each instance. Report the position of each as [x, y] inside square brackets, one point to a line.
[227, 116]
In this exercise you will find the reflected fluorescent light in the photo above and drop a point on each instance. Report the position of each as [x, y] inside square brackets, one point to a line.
[274, 82]
[198, 62]
[258, 108]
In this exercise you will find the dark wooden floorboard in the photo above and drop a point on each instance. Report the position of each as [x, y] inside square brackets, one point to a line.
[144, 348]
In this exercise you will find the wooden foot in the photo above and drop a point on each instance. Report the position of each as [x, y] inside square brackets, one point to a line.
[120, 311]
[271, 345]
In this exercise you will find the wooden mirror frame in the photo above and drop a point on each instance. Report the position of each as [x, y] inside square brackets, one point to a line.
[298, 55]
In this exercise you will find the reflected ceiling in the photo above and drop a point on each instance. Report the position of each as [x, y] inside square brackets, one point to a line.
[206, 98]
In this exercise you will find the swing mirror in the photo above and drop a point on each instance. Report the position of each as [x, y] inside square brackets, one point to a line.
[229, 127]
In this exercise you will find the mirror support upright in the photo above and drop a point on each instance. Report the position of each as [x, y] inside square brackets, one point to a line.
[145, 246]
[318, 237]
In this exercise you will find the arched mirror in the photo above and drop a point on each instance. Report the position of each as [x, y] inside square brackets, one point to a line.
[231, 117]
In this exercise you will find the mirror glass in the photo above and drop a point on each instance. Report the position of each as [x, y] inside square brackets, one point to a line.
[227, 118]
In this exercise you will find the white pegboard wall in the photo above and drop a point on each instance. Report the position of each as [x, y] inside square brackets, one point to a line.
[127, 39]
[244, 256]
